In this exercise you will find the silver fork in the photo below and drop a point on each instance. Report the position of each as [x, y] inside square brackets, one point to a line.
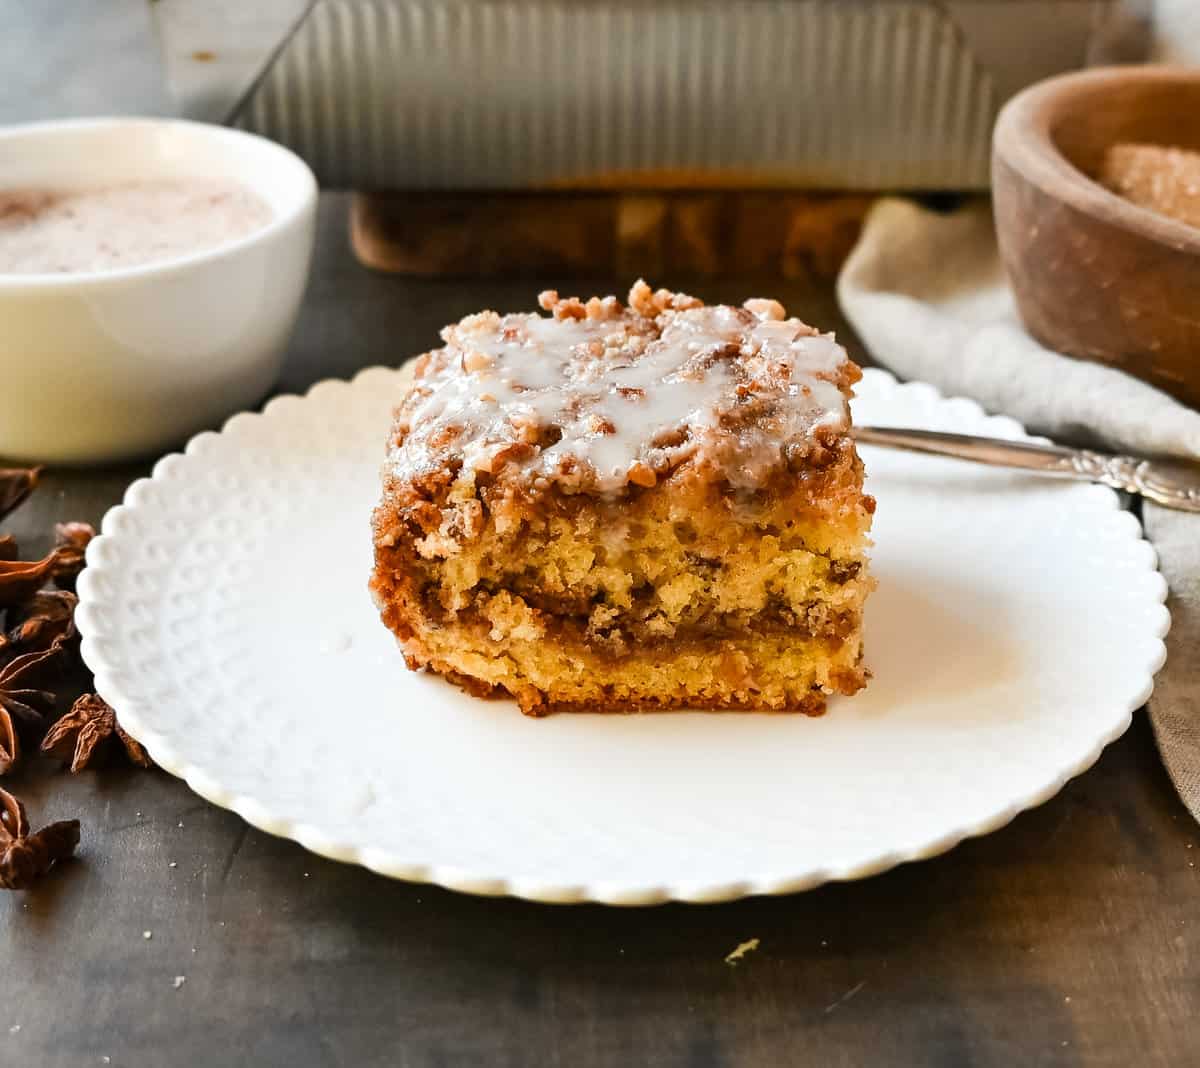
[1170, 484]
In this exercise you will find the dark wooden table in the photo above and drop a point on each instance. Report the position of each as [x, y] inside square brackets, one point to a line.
[1071, 937]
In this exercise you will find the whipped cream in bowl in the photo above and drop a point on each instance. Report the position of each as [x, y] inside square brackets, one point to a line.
[110, 228]
[151, 272]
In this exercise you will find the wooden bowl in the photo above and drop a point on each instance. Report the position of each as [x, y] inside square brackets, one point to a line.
[1096, 276]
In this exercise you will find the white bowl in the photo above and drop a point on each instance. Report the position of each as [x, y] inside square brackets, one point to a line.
[115, 364]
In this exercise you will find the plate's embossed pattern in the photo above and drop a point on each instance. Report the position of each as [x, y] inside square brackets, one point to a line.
[1017, 625]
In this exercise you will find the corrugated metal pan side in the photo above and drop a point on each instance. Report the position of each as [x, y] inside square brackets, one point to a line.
[513, 94]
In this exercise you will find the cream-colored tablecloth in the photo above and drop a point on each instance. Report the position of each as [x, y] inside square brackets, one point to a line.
[927, 294]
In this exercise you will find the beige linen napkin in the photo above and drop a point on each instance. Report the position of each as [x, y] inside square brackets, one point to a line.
[927, 294]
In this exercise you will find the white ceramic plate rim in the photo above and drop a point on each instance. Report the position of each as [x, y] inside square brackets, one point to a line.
[91, 621]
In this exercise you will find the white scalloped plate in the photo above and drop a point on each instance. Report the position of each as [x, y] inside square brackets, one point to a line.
[1017, 624]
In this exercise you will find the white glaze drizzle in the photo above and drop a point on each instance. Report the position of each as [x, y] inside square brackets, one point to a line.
[743, 385]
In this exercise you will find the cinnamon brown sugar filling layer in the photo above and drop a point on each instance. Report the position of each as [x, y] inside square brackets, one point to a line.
[613, 634]
[652, 505]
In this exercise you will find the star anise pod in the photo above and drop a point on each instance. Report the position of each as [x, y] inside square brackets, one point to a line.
[21, 579]
[23, 704]
[47, 617]
[89, 727]
[16, 483]
[10, 743]
[8, 547]
[70, 542]
[25, 857]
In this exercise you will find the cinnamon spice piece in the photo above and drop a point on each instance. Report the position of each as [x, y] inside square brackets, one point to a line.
[23, 705]
[10, 745]
[70, 542]
[25, 857]
[21, 579]
[36, 625]
[86, 731]
[16, 483]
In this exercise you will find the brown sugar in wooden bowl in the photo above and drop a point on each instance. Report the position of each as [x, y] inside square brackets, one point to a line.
[1095, 275]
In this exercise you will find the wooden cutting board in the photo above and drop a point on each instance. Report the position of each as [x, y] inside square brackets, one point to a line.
[659, 235]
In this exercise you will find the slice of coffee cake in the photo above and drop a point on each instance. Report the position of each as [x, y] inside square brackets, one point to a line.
[618, 508]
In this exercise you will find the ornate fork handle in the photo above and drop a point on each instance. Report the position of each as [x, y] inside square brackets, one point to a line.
[1172, 486]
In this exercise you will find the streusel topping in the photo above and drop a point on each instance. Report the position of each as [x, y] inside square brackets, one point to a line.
[599, 396]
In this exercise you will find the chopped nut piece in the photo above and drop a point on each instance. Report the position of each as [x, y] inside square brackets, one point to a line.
[474, 360]
[447, 434]
[641, 475]
[766, 309]
[565, 308]
[602, 308]
[652, 303]
[671, 438]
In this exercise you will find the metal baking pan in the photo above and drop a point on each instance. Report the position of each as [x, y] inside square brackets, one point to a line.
[520, 94]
